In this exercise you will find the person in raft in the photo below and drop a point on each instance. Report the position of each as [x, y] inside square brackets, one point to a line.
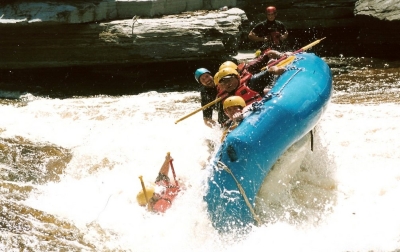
[250, 87]
[234, 108]
[208, 93]
[159, 198]
[255, 65]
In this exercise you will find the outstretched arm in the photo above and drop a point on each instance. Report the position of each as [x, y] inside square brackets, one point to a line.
[273, 54]
[276, 70]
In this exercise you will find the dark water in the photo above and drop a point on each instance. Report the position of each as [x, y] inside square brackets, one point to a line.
[358, 79]
[365, 80]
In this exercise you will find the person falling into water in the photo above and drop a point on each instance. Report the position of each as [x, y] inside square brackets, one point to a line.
[160, 198]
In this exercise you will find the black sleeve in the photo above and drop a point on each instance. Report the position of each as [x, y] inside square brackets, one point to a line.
[281, 27]
[206, 98]
[207, 113]
[259, 30]
[259, 81]
[222, 117]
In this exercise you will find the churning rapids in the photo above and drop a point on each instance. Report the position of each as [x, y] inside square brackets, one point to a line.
[69, 172]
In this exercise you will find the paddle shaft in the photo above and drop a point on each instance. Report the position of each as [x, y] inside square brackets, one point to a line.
[173, 172]
[202, 108]
[172, 168]
[304, 48]
[144, 191]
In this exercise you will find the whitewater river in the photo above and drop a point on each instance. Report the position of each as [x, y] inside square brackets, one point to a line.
[69, 172]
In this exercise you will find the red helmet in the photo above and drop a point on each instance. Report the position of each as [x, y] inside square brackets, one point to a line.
[270, 9]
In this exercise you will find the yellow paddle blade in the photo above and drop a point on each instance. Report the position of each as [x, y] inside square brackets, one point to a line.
[312, 44]
[286, 61]
[143, 196]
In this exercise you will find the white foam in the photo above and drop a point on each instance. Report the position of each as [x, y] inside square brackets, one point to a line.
[116, 139]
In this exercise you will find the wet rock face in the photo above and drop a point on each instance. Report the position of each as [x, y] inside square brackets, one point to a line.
[381, 10]
[67, 41]
[188, 36]
[38, 33]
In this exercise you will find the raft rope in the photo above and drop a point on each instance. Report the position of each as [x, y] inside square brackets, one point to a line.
[241, 190]
[298, 70]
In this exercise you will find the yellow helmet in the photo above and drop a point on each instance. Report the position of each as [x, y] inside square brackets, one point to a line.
[141, 199]
[223, 73]
[228, 64]
[234, 101]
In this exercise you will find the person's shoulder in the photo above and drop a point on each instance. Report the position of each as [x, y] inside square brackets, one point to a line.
[279, 22]
[204, 89]
[207, 91]
[262, 23]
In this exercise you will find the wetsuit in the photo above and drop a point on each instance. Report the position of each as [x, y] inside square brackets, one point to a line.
[260, 81]
[270, 29]
[208, 95]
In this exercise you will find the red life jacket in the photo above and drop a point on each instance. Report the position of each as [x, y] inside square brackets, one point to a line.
[166, 198]
[248, 95]
[276, 37]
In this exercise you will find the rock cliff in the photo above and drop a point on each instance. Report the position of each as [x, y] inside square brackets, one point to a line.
[68, 33]
[178, 37]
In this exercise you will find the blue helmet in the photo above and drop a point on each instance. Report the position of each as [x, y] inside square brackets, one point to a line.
[199, 72]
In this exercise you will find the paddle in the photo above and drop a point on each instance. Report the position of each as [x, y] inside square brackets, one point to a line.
[304, 48]
[286, 61]
[202, 108]
[144, 191]
[173, 170]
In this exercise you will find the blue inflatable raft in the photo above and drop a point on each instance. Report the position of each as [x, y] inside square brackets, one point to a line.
[287, 113]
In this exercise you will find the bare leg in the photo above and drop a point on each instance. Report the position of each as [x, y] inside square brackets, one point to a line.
[165, 166]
